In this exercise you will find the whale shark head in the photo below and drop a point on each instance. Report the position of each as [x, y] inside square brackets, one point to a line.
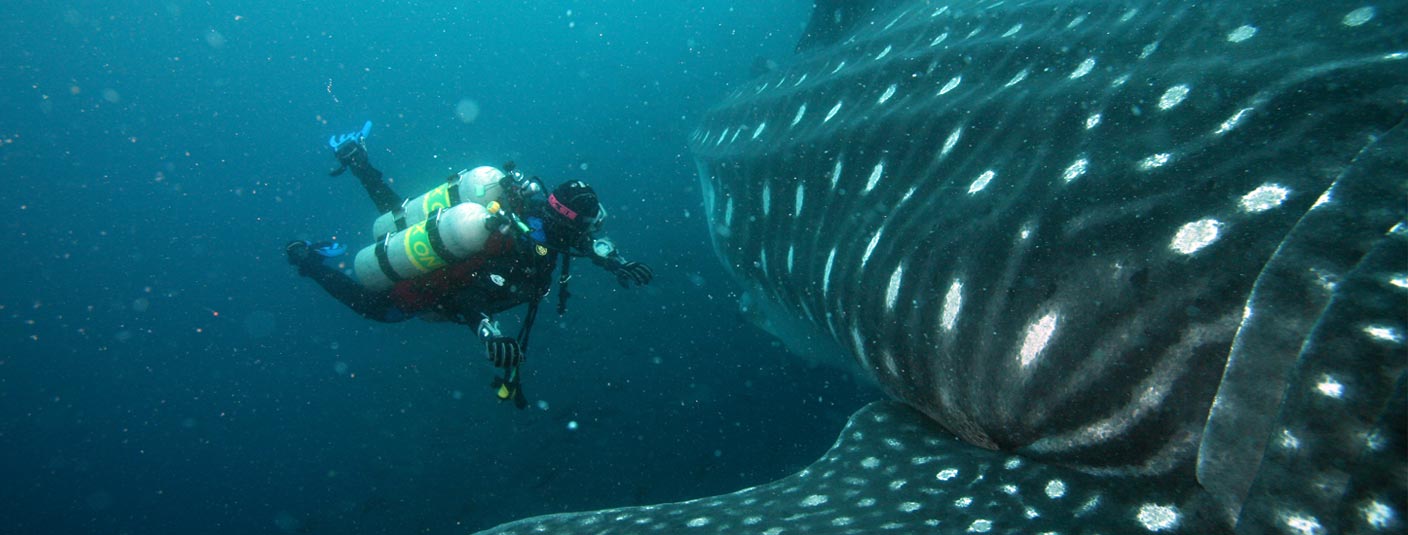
[1153, 250]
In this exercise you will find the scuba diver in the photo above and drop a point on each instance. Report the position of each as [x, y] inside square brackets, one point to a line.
[484, 242]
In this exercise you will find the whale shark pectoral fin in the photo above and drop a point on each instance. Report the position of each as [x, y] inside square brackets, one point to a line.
[1257, 441]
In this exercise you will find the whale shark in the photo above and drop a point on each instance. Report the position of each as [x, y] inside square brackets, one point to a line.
[1122, 267]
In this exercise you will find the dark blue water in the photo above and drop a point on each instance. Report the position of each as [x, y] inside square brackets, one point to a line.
[165, 371]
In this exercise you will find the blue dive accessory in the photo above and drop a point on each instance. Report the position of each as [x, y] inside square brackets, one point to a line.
[329, 249]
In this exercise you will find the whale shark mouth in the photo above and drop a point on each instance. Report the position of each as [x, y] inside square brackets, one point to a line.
[1147, 261]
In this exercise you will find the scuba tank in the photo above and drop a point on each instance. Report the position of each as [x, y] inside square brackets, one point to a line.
[448, 235]
[481, 185]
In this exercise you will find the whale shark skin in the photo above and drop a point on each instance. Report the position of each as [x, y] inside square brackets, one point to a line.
[1157, 245]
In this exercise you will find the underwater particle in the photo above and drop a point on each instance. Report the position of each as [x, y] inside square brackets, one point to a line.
[1242, 33]
[111, 95]
[340, 367]
[1157, 517]
[542, 405]
[572, 425]
[467, 110]
[1194, 236]
[214, 39]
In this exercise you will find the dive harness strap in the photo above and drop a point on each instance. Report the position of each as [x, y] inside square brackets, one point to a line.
[383, 262]
[398, 215]
[437, 244]
[562, 293]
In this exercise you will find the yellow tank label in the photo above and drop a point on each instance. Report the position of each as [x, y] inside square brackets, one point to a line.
[419, 251]
[436, 198]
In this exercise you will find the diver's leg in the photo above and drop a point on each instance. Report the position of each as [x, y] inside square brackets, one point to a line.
[372, 305]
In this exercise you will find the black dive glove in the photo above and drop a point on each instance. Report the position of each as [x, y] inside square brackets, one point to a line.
[502, 350]
[628, 273]
[352, 155]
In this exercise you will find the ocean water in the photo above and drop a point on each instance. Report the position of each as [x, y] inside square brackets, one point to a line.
[163, 370]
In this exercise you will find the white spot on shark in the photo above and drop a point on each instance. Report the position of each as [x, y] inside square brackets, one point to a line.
[1155, 161]
[833, 111]
[939, 39]
[797, 206]
[889, 92]
[1173, 97]
[1017, 79]
[814, 500]
[946, 474]
[1264, 198]
[801, 111]
[953, 302]
[1038, 336]
[799, 80]
[884, 52]
[892, 292]
[1384, 333]
[1359, 17]
[981, 182]
[838, 68]
[1329, 387]
[759, 130]
[1055, 489]
[1157, 517]
[952, 83]
[875, 175]
[1193, 237]
[791, 251]
[1377, 515]
[1075, 170]
[1013, 30]
[1148, 50]
[951, 141]
[836, 174]
[767, 199]
[1304, 525]
[1242, 33]
[826, 273]
[1076, 21]
[874, 240]
[1092, 121]
[1083, 69]
[1232, 122]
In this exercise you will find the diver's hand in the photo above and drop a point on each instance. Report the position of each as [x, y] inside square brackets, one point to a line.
[628, 273]
[350, 149]
[504, 352]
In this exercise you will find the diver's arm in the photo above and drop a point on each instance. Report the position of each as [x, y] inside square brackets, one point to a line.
[351, 152]
[603, 253]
